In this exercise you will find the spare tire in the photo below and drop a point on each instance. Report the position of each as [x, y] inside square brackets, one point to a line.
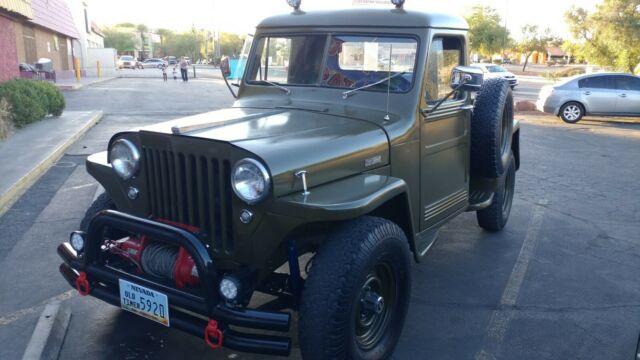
[491, 129]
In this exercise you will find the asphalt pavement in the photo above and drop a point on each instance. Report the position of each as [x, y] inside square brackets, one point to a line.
[560, 282]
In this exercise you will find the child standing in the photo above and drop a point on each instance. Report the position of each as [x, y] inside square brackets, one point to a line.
[164, 72]
[175, 76]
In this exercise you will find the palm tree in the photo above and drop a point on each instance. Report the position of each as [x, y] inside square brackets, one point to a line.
[142, 29]
[163, 33]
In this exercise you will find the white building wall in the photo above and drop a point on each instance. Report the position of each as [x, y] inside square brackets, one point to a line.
[81, 13]
[107, 58]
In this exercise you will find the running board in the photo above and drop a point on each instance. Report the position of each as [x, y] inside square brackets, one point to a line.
[480, 200]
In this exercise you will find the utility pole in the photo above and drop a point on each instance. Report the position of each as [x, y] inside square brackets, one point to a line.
[506, 31]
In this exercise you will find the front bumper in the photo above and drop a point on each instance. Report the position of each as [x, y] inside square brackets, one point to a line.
[103, 284]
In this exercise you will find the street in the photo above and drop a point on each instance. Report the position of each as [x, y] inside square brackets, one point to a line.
[560, 282]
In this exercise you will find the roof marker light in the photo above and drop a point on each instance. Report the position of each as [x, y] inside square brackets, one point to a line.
[295, 4]
[398, 3]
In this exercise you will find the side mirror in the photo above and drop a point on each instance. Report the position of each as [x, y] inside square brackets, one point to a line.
[466, 78]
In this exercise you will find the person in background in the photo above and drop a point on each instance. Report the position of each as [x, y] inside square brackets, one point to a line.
[175, 76]
[184, 67]
[164, 72]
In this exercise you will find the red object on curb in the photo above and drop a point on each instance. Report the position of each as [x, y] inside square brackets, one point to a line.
[212, 335]
[82, 284]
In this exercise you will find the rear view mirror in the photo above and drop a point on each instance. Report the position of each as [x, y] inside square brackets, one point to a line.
[466, 78]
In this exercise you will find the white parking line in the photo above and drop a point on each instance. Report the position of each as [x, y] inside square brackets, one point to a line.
[17, 315]
[500, 318]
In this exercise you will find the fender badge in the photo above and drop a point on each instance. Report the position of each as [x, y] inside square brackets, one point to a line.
[373, 161]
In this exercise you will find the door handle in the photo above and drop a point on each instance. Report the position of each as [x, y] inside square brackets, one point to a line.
[587, 92]
[623, 95]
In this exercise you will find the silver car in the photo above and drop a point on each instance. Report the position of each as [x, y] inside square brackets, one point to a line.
[609, 94]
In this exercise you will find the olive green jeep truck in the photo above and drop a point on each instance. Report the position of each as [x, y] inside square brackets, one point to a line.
[355, 136]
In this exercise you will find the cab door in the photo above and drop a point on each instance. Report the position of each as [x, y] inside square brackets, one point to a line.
[444, 154]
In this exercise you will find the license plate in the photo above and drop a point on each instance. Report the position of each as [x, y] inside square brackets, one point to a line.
[145, 302]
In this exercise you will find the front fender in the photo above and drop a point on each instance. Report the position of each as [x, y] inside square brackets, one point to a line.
[342, 200]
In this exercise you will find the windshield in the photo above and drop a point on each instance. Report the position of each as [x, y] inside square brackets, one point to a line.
[126, 57]
[339, 61]
[495, 69]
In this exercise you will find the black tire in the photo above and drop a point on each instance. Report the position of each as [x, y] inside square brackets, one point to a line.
[333, 314]
[102, 202]
[495, 217]
[491, 129]
[571, 112]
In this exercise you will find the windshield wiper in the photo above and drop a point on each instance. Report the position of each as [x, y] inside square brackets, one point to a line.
[348, 93]
[280, 87]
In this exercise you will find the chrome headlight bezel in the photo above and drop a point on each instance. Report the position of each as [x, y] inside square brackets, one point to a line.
[261, 170]
[134, 159]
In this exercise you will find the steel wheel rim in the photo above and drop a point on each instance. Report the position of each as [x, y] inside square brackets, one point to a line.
[508, 194]
[371, 326]
[504, 133]
[571, 112]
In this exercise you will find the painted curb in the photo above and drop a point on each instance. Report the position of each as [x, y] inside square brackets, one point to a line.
[78, 86]
[10, 196]
[48, 336]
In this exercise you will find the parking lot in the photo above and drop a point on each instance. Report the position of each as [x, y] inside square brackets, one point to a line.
[560, 282]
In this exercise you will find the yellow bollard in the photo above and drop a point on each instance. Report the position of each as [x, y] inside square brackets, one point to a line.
[98, 67]
[77, 69]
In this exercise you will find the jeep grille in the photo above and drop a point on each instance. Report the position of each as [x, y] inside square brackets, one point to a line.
[191, 189]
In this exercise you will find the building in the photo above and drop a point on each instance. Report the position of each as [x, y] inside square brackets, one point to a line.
[90, 36]
[12, 12]
[39, 29]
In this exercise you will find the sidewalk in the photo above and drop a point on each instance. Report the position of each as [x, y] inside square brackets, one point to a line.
[73, 84]
[30, 151]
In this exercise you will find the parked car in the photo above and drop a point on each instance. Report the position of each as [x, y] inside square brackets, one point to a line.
[127, 62]
[492, 71]
[152, 63]
[200, 213]
[606, 94]
[507, 61]
[171, 60]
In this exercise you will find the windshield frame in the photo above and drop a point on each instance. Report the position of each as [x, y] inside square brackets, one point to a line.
[258, 38]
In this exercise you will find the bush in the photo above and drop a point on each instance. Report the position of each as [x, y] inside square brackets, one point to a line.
[6, 125]
[31, 100]
[55, 100]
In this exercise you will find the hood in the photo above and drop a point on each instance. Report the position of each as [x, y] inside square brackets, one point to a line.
[505, 74]
[328, 147]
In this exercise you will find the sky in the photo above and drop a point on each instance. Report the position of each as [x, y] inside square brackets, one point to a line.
[241, 16]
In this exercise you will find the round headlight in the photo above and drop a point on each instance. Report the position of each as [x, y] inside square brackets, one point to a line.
[125, 158]
[250, 180]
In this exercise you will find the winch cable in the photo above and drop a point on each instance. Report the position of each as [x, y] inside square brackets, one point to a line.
[159, 260]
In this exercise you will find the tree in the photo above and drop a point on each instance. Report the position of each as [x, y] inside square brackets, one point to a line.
[142, 30]
[533, 40]
[164, 34]
[121, 41]
[230, 44]
[486, 35]
[610, 36]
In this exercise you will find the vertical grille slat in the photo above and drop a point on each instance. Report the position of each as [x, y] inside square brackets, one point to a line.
[169, 158]
[149, 170]
[188, 174]
[214, 203]
[157, 192]
[191, 189]
[226, 223]
[166, 185]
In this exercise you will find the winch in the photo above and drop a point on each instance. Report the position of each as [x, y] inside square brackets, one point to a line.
[158, 259]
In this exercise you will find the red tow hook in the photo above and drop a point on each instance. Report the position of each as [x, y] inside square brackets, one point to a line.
[213, 335]
[82, 284]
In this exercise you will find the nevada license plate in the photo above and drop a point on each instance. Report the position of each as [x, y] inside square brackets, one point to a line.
[145, 302]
